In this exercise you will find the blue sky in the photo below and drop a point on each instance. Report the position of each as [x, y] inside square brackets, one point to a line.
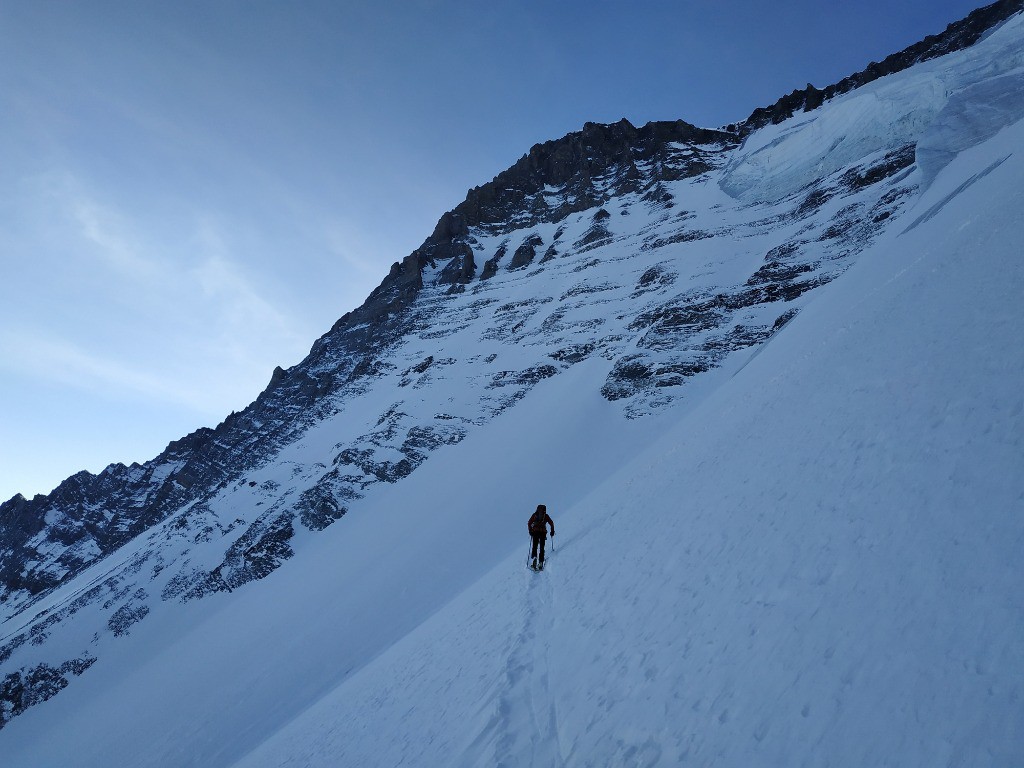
[192, 192]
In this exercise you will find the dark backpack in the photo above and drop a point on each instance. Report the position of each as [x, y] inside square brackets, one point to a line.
[536, 525]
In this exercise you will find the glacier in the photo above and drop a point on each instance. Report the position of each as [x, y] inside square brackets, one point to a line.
[943, 106]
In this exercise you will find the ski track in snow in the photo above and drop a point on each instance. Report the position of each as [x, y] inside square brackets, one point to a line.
[523, 728]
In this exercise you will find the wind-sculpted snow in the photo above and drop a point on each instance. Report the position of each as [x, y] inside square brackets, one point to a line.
[956, 37]
[971, 116]
[946, 104]
[634, 272]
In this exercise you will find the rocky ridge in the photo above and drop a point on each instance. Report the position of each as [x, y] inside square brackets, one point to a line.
[957, 36]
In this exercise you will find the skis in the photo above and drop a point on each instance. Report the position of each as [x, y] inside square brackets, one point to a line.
[535, 567]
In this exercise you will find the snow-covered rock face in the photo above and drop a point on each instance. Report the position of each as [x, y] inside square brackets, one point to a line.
[601, 290]
[942, 106]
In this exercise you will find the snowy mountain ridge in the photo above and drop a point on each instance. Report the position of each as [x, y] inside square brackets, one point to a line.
[608, 309]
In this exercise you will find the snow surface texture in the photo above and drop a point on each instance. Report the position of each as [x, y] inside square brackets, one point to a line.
[810, 557]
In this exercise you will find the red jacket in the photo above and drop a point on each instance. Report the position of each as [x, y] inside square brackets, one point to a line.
[538, 523]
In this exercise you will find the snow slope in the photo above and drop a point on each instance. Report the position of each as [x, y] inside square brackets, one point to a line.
[808, 555]
[817, 565]
[820, 566]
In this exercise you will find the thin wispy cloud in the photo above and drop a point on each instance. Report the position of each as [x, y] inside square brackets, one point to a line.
[168, 314]
[349, 243]
[34, 352]
[242, 310]
[100, 229]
